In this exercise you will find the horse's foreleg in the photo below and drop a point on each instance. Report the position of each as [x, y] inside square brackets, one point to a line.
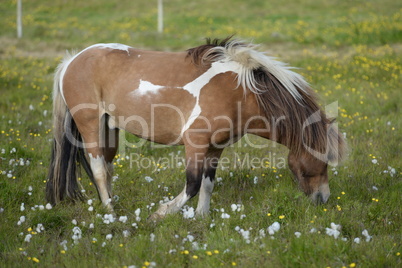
[194, 171]
[207, 184]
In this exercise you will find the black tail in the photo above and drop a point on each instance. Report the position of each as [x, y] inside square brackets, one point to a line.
[64, 169]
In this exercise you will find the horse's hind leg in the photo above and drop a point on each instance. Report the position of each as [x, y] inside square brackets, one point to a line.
[101, 146]
[109, 144]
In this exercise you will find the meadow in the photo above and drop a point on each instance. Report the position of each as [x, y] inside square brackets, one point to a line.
[349, 51]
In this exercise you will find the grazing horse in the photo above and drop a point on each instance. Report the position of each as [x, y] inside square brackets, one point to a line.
[205, 99]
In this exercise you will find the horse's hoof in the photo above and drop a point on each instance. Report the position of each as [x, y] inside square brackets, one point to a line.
[155, 217]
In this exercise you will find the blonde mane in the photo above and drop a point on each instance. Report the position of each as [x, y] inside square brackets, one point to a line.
[281, 93]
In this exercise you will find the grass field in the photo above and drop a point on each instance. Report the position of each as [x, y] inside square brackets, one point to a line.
[350, 52]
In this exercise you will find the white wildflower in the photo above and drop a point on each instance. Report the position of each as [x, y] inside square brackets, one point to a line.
[297, 234]
[123, 219]
[64, 244]
[225, 216]
[48, 206]
[108, 218]
[28, 238]
[246, 235]
[234, 207]
[190, 237]
[137, 214]
[261, 232]
[40, 228]
[334, 230]
[109, 237]
[188, 212]
[22, 220]
[195, 245]
[357, 240]
[74, 221]
[152, 237]
[22, 208]
[148, 179]
[336, 226]
[126, 233]
[366, 235]
[274, 228]
[255, 180]
[77, 234]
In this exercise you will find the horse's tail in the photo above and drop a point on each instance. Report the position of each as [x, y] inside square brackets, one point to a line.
[67, 148]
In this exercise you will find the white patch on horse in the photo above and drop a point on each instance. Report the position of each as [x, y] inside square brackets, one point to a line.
[146, 87]
[195, 86]
[67, 60]
[116, 46]
[204, 199]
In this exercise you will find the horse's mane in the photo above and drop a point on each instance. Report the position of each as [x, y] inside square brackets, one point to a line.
[283, 95]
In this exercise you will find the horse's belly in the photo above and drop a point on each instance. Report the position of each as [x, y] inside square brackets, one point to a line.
[157, 118]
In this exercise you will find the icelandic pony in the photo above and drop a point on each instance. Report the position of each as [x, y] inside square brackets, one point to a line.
[205, 99]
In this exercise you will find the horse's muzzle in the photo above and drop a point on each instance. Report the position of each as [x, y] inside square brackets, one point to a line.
[321, 196]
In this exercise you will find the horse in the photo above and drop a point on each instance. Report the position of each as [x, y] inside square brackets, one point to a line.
[205, 98]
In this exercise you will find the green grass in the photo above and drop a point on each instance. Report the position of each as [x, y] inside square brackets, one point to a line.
[350, 51]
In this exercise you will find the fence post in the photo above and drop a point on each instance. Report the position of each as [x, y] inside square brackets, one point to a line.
[160, 16]
[19, 18]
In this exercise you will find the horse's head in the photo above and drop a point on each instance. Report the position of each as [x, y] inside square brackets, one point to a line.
[312, 176]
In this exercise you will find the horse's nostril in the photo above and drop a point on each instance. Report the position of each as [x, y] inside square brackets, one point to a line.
[319, 198]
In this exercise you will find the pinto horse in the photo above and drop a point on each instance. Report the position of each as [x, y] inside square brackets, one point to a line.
[205, 99]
